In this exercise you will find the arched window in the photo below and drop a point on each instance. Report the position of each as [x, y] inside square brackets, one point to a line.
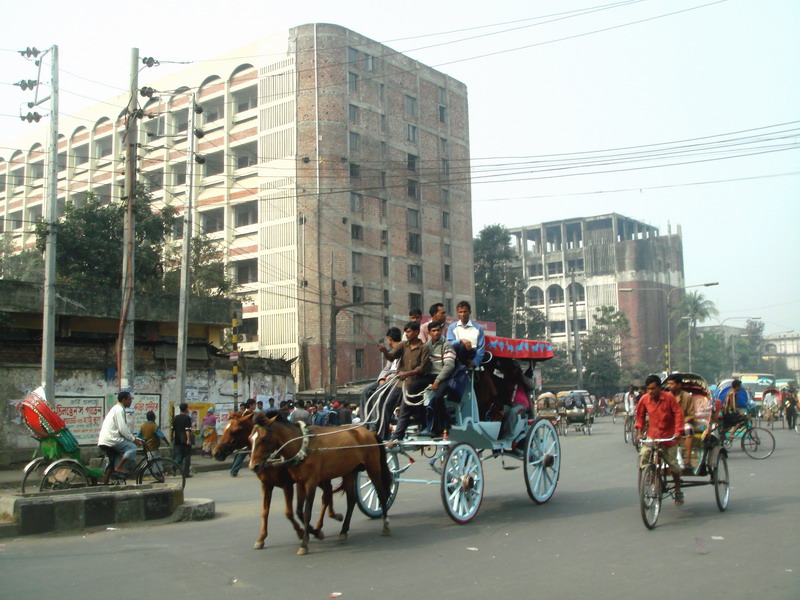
[576, 292]
[535, 297]
[555, 294]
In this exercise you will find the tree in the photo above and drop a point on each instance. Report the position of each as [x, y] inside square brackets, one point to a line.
[558, 372]
[694, 308]
[497, 279]
[748, 350]
[27, 265]
[709, 358]
[208, 275]
[601, 351]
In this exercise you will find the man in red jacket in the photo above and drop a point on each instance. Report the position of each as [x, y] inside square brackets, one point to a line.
[665, 420]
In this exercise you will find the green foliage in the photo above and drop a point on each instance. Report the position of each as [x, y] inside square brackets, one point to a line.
[208, 275]
[601, 351]
[749, 348]
[496, 280]
[709, 358]
[693, 308]
[27, 265]
[558, 372]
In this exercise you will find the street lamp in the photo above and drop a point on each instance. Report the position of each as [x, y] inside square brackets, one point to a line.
[668, 294]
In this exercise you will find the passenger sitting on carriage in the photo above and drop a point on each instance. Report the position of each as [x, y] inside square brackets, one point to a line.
[685, 401]
[515, 392]
[412, 376]
[443, 364]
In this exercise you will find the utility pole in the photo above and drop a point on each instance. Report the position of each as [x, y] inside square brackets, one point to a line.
[50, 218]
[125, 341]
[186, 246]
[576, 333]
[514, 311]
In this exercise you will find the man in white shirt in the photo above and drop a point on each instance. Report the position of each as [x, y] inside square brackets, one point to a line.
[466, 337]
[116, 434]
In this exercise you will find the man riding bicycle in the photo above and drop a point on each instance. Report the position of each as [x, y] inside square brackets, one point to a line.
[665, 421]
[115, 433]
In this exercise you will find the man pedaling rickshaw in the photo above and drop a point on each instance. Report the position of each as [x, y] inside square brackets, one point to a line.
[115, 435]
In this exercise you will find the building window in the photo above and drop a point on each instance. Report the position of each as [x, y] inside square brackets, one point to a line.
[177, 228]
[355, 170]
[246, 213]
[445, 220]
[246, 155]
[213, 110]
[359, 356]
[555, 268]
[384, 237]
[448, 273]
[352, 113]
[102, 147]
[414, 274]
[446, 166]
[180, 121]
[358, 323]
[575, 266]
[446, 250]
[245, 99]
[576, 292]
[356, 232]
[15, 220]
[352, 82]
[536, 270]
[37, 170]
[154, 180]
[358, 294]
[411, 163]
[445, 146]
[215, 164]
[62, 161]
[247, 271]
[445, 197]
[384, 127]
[81, 154]
[382, 92]
[415, 243]
[154, 128]
[414, 301]
[448, 305]
[557, 327]
[385, 266]
[386, 297]
[354, 139]
[179, 174]
[213, 220]
[355, 202]
[384, 207]
[443, 114]
[413, 188]
[34, 215]
[352, 56]
[411, 133]
[411, 106]
[357, 260]
[442, 95]
[555, 294]
[535, 297]
[412, 219]
[103, 194]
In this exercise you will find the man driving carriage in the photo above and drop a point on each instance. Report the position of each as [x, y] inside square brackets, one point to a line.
[115, 434]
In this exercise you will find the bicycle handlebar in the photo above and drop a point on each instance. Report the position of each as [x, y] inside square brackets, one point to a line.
[654, 441]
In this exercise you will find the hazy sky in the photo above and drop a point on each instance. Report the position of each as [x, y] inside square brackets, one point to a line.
[577, 108]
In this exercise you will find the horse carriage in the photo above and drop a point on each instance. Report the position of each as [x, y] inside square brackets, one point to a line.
[57, 463]
[529, 438]
[706, 463]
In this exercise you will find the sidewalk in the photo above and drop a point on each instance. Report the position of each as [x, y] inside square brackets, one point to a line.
[12, 479]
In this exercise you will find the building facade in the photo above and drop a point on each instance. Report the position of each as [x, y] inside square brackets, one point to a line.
[574, 266]
[334, 172]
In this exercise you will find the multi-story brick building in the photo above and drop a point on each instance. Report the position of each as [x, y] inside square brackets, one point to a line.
[615, 261]
[330, 160]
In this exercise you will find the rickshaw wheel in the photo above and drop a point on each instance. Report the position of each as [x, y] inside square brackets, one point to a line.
[462, 483]
[720, 478]
[162, 470]
[366, 495]
[34, 471]
[650, 495]
[758, 443]
[64, 474]
[542, 461]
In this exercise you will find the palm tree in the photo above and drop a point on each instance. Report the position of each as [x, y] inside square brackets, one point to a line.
[695, 308]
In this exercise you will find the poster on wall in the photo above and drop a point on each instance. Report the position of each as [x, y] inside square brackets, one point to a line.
[83, 415]
[141, 404]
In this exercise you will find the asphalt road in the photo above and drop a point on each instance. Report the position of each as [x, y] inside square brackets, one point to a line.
[587, 542]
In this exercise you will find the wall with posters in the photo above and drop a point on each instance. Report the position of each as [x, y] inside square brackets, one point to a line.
[84, 396]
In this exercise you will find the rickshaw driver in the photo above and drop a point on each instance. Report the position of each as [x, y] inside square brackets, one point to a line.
[665, 421]
[116, 434]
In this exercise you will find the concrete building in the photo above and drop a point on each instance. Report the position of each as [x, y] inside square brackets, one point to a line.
[335, 170]
[785, 346]
[616, 261]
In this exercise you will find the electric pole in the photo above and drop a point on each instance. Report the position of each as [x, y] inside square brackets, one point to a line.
[578, 361]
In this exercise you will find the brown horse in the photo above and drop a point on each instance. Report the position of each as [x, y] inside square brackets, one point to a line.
[315, 454]
[236, 435]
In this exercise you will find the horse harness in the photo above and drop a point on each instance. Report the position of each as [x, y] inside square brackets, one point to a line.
[276, 460]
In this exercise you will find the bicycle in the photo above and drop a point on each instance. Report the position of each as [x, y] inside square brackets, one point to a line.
[756, 442]
[653, 483]
[69, 473]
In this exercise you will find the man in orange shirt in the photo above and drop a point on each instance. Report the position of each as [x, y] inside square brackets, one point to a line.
[665, 420]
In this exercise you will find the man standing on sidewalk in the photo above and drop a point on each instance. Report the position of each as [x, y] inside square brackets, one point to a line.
[238, 458]
[182, 439]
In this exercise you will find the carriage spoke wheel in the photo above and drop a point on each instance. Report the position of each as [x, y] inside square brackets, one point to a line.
[64, 474]
[34, 471]
[758, 443]
[462, 483]
[542, 461]
[161, 470]
[366, 494]
[720, 478]
[650, 495]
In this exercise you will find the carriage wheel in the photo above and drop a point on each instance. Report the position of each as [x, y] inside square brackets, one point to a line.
[161, 470]
[462, 483]
[542, 461]
[650, 495]
[64, 474]
[33, 474]
[721, 481]
[366, 495]
[758, 443]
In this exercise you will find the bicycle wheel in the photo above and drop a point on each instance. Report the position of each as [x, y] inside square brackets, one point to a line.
[34, 471]
[626, 430]
[650, 495]
[161, 470]
[64, 474]
[721, 481]
[758, 443]
[428, 451]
